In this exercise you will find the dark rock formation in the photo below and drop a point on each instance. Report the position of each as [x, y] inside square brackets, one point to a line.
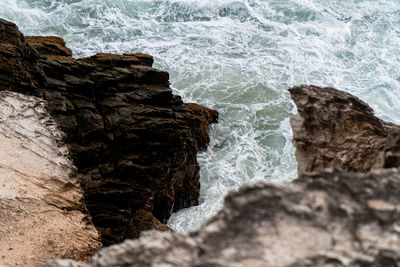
[133, 141]
[328, 217]
[20, 70]
[336, 129]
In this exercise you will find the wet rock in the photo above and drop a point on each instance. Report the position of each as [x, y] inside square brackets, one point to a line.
[206, 117]
[336, 129]
[134, 143]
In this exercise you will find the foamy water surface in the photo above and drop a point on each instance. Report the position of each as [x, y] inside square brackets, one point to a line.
[238, 57]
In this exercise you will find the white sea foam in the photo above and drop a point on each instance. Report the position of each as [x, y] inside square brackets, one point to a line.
[238, 57]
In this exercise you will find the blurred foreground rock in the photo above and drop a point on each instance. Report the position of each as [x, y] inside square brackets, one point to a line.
[330, 218]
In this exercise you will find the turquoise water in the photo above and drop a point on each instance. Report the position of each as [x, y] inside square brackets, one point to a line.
[238, 57]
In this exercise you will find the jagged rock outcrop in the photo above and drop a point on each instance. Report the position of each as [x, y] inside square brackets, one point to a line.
[42, 213]
[336, 129]
[134, 143]
[329, 217]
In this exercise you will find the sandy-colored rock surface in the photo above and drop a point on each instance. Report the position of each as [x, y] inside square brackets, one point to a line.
[42, 215]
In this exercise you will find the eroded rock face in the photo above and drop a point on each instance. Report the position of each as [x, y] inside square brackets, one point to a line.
[336, 129]
[330, 218]
[134, 143]
[42, 213]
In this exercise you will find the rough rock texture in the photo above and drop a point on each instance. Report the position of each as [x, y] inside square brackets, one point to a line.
[330, 218]
[41, 202]
[20, 70]
[336, 129]
[134, 143]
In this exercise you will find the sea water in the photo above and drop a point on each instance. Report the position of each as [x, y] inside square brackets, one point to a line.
[238, 57]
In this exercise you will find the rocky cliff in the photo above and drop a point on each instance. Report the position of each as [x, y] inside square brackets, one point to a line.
[329, 217]
[133, 142]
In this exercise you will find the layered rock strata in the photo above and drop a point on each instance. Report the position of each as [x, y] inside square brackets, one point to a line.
[328, 217]
[42, 213]
[134, 143]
